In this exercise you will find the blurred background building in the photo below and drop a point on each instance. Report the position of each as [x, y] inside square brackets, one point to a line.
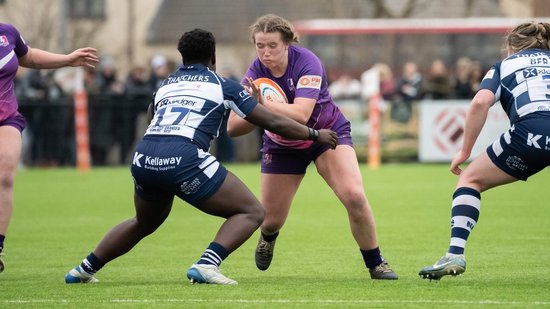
[137, 41]
[132, 32]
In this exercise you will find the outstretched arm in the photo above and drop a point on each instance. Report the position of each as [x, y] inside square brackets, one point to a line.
[41, 59]
[237, 126]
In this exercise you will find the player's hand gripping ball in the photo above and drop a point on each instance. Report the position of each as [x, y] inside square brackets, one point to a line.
[271, 92]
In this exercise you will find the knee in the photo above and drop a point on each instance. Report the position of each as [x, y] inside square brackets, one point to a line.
[258, 214]
[6, 181]
[470, 180]
[144, 228]
[7, 172]
[354, 200]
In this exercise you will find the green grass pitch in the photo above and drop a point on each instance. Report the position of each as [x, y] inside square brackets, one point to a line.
[61, 214]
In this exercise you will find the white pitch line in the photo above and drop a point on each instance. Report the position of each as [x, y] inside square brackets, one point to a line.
[285, 301]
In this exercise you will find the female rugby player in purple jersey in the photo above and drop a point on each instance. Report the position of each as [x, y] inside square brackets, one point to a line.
[173, 160]
[521, 82]
[14, 52]
[301, 75]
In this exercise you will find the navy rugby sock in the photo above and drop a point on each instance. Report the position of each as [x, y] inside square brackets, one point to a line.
[372, 257]
[213, 255]
[464, 215]
[2, 237]
[91, 264]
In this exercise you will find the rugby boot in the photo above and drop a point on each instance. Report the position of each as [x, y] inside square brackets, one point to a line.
[210, 274]
[264, 253]
[447, 265]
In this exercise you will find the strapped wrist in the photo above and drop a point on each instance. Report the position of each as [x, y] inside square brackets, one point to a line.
[313, 134]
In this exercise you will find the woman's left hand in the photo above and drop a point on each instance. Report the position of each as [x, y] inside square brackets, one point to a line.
[254, 91]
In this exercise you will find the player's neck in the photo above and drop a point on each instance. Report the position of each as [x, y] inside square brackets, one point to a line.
[279, 70]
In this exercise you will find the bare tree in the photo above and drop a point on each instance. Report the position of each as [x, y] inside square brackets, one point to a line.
[41, 25]
[469, 8]
[382, 8]
[83, 33]
[37, 21]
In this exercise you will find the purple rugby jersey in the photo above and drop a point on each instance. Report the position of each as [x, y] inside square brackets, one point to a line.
[305, 77]
[12, 46]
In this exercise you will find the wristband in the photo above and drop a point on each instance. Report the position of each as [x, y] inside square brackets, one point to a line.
[313, 134]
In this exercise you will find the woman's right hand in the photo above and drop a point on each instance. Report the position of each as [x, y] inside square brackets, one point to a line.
[458, 159]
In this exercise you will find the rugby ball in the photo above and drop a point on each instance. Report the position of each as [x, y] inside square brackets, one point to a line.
[270, 91]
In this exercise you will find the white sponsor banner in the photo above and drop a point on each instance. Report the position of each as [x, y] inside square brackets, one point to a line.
[442, 129]
[370, 80]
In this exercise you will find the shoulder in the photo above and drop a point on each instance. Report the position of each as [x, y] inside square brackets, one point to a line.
[8, 28]
[303, 53]
[496, 65]
[302, 50]
[229, 86]
[301, 56]
[229, 82]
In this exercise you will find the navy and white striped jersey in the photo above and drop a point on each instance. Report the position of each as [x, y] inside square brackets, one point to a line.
[521, 82]
[194, 102]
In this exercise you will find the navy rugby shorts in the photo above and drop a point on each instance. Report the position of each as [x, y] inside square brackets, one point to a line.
[295, 161]
[164, 166]
[524, 149]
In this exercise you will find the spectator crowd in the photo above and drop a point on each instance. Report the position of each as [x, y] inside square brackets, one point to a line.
[117, 111]
[117, 105]
[400, 91]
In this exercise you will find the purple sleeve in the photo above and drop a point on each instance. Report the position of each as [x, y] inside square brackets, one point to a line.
[311, 78]
[21, 48]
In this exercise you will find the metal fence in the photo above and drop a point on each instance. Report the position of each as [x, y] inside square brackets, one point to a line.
[116, 124]
[115, 121]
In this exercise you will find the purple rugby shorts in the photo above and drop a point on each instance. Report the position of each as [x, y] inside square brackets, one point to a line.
[295, 161]
[17, 121]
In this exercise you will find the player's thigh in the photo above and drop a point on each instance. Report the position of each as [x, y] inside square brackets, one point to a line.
[278, 191]
[152, 212]
[10, 149]
[340, 169]
[233, 197]
[482, 174]
[281, 175]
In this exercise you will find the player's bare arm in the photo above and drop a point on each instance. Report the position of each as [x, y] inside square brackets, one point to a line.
[289, 128]
[300, 110]
[475, 119]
